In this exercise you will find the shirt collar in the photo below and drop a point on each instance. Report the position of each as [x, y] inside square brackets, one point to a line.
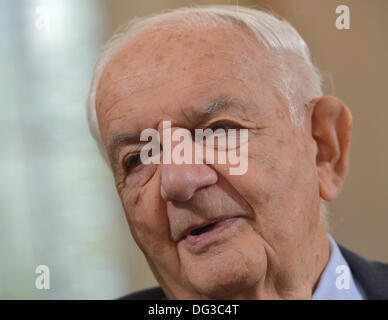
[337, 282]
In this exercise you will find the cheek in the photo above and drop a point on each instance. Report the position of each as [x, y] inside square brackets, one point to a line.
[278, 184]
[145, 212]
[263, 177]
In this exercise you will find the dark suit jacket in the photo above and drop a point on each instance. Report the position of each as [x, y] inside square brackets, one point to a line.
[372, 276]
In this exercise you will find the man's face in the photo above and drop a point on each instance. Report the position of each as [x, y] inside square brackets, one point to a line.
[266, 221]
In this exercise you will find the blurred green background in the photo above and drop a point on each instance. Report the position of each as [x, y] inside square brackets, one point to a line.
[58, 205]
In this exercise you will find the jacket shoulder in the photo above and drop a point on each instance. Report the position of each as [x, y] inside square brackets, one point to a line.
[371, 275]
[155, 293]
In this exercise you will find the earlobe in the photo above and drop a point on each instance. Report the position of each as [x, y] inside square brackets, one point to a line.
[331, 125]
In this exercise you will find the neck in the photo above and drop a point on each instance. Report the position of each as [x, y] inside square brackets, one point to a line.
[322, 252]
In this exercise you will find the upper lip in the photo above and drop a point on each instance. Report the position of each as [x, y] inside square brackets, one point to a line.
[188, 230]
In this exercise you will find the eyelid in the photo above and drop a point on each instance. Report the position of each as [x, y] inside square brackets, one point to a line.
[129, 150]
[127, 157]
[225, 122]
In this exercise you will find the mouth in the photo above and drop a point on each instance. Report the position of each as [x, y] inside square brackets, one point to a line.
[207, 231]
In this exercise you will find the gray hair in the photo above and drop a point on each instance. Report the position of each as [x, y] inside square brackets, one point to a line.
[293, 75]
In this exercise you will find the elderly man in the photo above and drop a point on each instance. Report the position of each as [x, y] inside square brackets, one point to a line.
[205, 232]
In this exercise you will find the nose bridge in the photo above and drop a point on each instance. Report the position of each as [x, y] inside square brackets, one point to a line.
[166, 134]
[179, 182]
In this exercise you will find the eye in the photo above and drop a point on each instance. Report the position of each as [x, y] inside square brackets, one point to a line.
[222, 126]
[132, 162]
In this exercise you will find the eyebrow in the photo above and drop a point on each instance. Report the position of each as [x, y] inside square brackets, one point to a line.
[217, 105]
[121, 139]
[221, 103]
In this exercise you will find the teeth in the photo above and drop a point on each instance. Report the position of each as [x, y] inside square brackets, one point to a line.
[201, 230]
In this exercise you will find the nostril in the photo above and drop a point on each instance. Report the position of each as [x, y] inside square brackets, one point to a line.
[176, 195]
[178, 183]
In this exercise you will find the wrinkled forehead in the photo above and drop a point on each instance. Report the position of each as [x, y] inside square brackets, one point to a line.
[169, 51]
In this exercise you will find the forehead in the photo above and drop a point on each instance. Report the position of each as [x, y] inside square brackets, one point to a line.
[174, 47]
[175, 62]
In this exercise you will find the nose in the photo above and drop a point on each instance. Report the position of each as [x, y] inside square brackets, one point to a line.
[179, 182]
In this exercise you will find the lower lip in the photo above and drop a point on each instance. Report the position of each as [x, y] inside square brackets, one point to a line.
[208, 236]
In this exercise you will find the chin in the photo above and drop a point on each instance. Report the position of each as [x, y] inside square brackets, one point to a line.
[227, 272]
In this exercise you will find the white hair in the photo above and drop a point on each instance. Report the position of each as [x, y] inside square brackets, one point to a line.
[293, 75]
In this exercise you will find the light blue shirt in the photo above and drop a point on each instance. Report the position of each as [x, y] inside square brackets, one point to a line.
[337, 282]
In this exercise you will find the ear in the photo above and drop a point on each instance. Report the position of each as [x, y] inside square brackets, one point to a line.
[331, 126]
